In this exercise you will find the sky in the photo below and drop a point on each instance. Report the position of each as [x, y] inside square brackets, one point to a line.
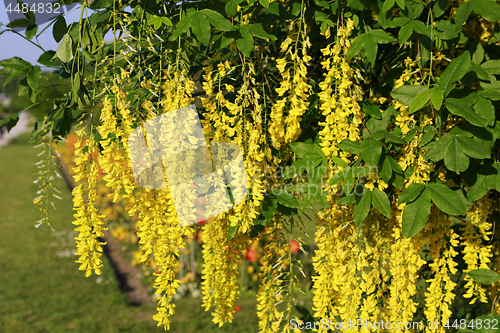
[13, 45]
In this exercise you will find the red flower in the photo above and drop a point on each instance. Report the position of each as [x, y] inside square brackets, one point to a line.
[294, 246]
[251, 255]
[237, 308]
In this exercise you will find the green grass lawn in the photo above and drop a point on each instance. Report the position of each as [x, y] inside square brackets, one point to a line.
[41, 289]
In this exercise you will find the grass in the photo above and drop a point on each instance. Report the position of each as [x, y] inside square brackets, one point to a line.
[41, 289]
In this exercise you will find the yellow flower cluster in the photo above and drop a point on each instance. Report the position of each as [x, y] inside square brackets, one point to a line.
[339, 97]
[476, 255]
[88, 221]
[439, 295]
[220, 271]
[294, 89]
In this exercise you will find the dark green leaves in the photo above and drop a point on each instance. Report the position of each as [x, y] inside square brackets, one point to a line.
[411, 193]
[484, 276]
[416, 214]
[34, 77]
[60, 28]
[362, 208]
[381, 202]
[406, 94]
[419, 101]
[286, 199]
[232, 7]
[458, 108]
[454, 158]
[456, 69]
[369, 42]
[303, 150]
[218, 21]
[201, 27]
[418, 205]
[245, 43]
[488, 9]
[446, 200]
[370, 151]
[13, 67]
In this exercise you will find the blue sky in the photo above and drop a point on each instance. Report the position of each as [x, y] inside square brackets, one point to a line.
[13, 45]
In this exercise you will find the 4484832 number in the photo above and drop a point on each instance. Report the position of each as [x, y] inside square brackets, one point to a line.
[40, 7]
[473, 324]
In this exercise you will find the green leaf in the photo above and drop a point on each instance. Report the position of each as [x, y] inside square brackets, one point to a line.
[182, 26]
[34, 77]
[347, 200]
[13, 67]
[406, 94]
[304, 150]
[485, 109]
[65, 49]
[445, 30]
[218, 21]
[371, 109]
[349, 146]
[454, 158]
[458, 108]
[411, 193]
[232, 7]
[480, 72]
[339, 161]
[304, 164]
[348, 181]
[381, 202]
[437, 97]
[491, 67]
[388, 5]
[336, 179]
[60, 28]
[201, 28]
[362, 208]
[286, 199]
[99, 4]
[471, 148]
[487, 9]
[401, 3]
[258, 31]
[416, 214]
[419, 101]
[318, 173]
[436, 149]
[264, 3]
[370, 151]
[31, 31]
[306, 201]
[440, 7]
[446, 200]
[479, 189]
[386, 171]
[369, 42]
[356, 46]
[405, 33]
[456, 69]
[268, 207]
[429, 133]
[484, 276]
[246, 43]
[462, 14]
[231, 231]
[321, 197]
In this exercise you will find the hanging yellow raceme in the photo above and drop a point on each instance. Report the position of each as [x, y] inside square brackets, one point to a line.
[88, 221]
